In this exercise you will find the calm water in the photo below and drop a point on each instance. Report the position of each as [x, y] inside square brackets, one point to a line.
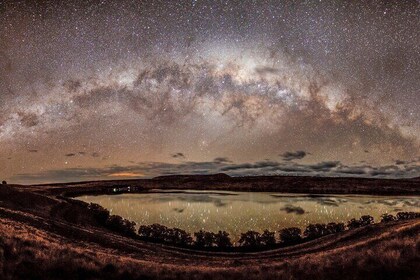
[237, 212]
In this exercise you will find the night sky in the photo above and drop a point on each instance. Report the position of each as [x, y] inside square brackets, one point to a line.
[126, 89]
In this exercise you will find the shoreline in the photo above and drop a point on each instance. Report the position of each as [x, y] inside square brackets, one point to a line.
[223, 182]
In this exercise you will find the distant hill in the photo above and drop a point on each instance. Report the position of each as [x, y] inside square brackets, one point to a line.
[224, 182]
[217, 176]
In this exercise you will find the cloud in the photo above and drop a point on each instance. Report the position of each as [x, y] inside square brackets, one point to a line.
[293, 209]
[126, 174]
[178, 155]
[356, 170]
[153, 169]
[288, 156]
[222, 160]
[324, 166]
[256, 165]
[70, 155]
[33, 151]
[28, 119]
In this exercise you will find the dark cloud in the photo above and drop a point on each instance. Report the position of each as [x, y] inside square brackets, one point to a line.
[384, 170]
[152, 169]
[324, 166]
[72, 85]
[288, 156]
[290, 209]
[222, 160]
[70, 155]
[33, 151]
[266, 70]
[178, 155]
[257, 165]
[352, 170]
[296, 169]
[28, 119]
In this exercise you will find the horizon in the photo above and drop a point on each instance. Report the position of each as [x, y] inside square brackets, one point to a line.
[209, 175]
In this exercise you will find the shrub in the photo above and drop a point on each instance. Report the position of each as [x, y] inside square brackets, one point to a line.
[176, 236]
[100, 214]
[267, 238]
[353, 223]
[407, 215]
[154, 232]
[290, 235]
[204, 239]
[163, 234]
[4, 183]
[366, 220]
[363, 221]
[315, 231]
[121, 225]
[222, 240]
[385, 218]
[335, 228]
[250, 239]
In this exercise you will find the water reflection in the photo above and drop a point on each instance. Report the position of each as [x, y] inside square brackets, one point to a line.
[237, 212]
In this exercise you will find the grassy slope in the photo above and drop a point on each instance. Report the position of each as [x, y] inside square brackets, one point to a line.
[35, 244]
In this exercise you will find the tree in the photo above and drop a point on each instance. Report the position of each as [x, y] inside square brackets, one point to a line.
[335, 228]
[101, 214]
[290, 235]
[204, 239]
[366, 220]
[407, 215]
[222, 240]
[176, 236]
[385, 218]
[163, 234]
[353, 223]
[315, 231]
[119, 224]
[154, 232]
[363, 221]
[250, 239]
[267, 238]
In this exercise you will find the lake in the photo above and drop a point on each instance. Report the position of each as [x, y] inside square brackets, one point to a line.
[237, 212]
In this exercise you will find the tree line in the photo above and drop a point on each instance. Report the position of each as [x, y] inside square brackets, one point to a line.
[250, 240]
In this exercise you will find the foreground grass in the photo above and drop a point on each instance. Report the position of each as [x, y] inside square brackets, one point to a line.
[30, 253]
